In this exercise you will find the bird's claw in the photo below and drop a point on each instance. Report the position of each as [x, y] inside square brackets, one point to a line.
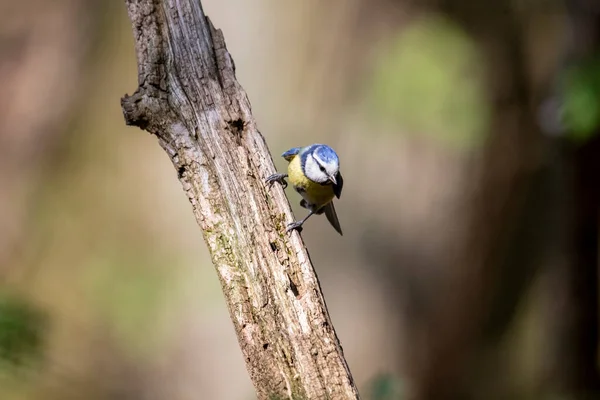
[279, 178]
[294, 226]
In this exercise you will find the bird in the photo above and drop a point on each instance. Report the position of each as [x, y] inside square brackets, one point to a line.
[314, 172]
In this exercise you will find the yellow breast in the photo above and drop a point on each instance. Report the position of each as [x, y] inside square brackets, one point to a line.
[313, 192]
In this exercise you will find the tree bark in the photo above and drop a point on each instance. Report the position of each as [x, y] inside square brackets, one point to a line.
[189, 98]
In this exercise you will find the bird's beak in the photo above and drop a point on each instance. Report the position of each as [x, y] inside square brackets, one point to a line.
[332, 179]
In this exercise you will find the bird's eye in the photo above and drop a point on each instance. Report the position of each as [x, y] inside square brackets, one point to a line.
[321, 168]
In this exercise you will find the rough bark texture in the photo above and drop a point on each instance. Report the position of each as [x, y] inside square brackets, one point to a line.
[189, 98]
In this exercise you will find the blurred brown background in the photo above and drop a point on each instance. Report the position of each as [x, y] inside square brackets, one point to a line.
[468, 139]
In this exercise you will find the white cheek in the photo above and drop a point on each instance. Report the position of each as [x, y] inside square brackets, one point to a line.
[313, 172]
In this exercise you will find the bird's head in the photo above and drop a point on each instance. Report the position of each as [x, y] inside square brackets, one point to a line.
[322, 165]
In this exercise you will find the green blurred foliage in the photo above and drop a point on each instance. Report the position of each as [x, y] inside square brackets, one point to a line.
[128, 293]
[428, 80]
[581, 88]
[385, 387]
[22, 332]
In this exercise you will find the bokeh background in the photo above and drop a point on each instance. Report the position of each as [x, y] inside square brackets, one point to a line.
[468, 136]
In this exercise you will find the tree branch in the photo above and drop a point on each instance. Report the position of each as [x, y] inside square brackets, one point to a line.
[189, 98]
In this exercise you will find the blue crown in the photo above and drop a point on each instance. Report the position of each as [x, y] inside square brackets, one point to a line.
[326, 153]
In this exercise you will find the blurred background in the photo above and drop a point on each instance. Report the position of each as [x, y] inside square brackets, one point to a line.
[468, 136]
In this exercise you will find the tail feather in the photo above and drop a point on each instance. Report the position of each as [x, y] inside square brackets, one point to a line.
[332, 217]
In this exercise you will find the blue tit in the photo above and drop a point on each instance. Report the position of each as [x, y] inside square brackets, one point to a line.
[314, 171]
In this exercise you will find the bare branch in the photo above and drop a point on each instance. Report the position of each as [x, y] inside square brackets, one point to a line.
[189, 98]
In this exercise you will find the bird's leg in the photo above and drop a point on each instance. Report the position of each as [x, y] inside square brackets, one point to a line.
[280, 178]
[297, 225]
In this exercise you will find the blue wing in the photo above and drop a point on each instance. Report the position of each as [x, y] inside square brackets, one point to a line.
[291, 153]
